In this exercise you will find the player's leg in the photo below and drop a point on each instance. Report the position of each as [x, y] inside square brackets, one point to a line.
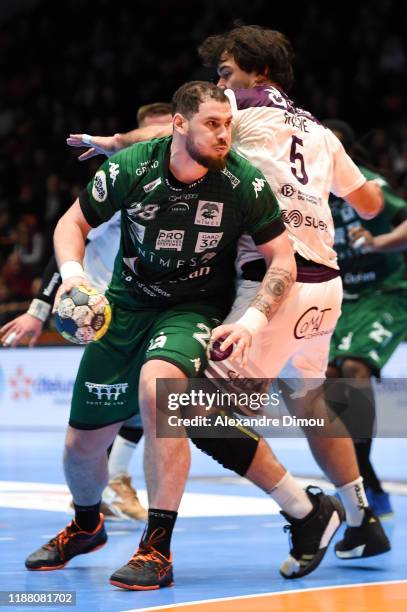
[177, 350]
[105, 394]
[119, 499]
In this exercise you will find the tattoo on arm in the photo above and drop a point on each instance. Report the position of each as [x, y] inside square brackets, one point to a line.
[274, 289]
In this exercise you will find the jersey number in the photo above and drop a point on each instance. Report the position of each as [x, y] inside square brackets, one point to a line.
[295, 155]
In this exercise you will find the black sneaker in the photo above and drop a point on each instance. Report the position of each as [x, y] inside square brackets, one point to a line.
[69, 542]
[367, 540]
[311, 535]
[147, 570]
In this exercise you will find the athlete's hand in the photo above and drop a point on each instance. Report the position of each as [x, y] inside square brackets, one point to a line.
[99, 145]
[13, 332]
[361, 237]
[67, 285]
[237, 336]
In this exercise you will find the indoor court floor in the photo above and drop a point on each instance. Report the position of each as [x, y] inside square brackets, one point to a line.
[228, 542]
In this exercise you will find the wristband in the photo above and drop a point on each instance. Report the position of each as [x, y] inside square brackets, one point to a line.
[253, 320]
[39, 309]
[71, 268]
[87, 140]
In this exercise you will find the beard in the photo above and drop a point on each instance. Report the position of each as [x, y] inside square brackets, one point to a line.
[212, 163]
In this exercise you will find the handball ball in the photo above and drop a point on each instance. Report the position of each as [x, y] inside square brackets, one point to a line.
[83, 315]
[215, 354]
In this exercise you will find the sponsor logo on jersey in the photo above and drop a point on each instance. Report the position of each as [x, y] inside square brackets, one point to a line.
[170, 240]
[151, 186]
[204, 271]
[180, 208]
[289, 191]
[209, 213]
[182, 196]
[296, 218]
[147, 212]
[197, 364]
[145, 166]
[113, 172]
[207, 240]
[107, 392]
[233, 179]
[99, 188]
[258, 185]
[309, 324]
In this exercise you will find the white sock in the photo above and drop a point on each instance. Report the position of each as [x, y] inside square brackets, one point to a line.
[291, 498]
[354, 499]
[120, 456]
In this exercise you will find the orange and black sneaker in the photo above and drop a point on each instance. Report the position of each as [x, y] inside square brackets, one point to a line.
[67, 544]
[147, 570]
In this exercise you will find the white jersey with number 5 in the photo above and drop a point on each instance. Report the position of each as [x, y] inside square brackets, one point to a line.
[302, 161]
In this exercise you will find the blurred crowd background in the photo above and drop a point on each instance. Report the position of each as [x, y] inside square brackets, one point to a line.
[86, 66]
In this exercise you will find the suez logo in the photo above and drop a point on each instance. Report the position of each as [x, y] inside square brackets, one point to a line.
[170, 240]
[296, 218]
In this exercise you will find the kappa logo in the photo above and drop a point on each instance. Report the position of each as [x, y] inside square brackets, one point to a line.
[108, 392]
[258, 185]
[207, 240]
[209, 213]
[99, 188]
[152, 185]
[170, 240]
[113, 172]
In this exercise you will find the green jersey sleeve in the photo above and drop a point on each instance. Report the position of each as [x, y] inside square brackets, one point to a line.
[105, 194]
[263, 216]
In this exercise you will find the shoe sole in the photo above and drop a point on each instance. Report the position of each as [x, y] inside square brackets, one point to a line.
[321, 552]
[137, 587]
[48, 568]
[344, 556]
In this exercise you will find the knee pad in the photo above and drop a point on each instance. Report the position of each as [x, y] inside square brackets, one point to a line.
[235, 454]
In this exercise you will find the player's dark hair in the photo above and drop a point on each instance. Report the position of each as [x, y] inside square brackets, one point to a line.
[153, 110]
[254, 49]
[189, 96]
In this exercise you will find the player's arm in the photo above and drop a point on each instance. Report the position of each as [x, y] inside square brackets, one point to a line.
[69, 244]
[31, 323]
[108, 145]
[393, 241]
[273, 291]
[348, 182]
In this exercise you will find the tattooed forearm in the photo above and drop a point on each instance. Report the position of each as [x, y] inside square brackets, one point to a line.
[274, 289]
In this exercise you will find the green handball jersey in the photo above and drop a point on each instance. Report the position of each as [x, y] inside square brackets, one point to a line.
[178, 241]
[363, 271]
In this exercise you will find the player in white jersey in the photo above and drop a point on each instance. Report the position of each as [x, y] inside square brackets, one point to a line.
[303, 162]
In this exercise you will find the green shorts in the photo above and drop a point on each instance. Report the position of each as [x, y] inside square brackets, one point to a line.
[370, 329]
[106, 387]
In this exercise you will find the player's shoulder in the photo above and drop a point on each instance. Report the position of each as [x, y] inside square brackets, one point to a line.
[241, 167]
[142, 151]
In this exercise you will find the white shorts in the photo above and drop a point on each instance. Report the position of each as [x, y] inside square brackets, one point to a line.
[295, 344]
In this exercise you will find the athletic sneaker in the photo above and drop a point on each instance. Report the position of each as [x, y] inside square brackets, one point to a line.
[311, 535]
[147, 570]
[120, 501]
[67, 544]
[380, 504]
[365, 541]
